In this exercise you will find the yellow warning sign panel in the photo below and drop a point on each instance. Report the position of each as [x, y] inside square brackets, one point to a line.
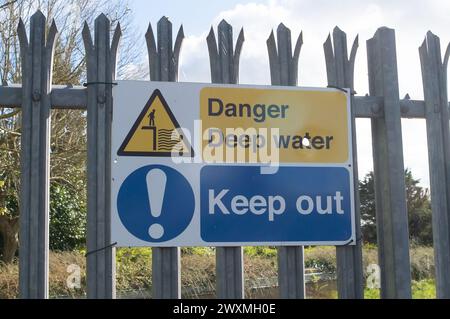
[156, 132]
[297, 126]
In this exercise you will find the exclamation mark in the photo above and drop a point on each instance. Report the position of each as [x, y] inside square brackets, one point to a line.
[156, 187]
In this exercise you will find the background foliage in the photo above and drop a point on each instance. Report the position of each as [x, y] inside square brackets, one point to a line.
[68, 127]
[134, 271]
[67, 219]
[419, 210]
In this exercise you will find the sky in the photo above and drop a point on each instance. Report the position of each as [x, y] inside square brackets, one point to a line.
[316, 18]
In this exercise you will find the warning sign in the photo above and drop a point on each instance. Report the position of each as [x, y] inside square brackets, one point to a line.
[272, 166]
[156, 132]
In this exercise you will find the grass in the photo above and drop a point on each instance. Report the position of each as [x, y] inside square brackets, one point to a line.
[134, 272]
[424, 289]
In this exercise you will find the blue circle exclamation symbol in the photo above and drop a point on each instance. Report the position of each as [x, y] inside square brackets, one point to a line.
[156, 188]
[155, 203]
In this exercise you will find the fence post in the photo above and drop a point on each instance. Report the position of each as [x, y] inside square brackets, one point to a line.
[225, 69]
[434, 74]
[390, 192]
[340, 72]
[101, 69]
[37, 62]
[284, 71]
[163, 62]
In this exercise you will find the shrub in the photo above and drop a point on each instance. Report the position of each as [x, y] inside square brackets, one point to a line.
[67, 219]
[134, 269]
[200, 251]
[260, 251]
[422, 263]
[321, 258]
[425, 289]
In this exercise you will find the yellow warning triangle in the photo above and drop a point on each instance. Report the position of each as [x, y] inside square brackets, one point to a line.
[156, 133]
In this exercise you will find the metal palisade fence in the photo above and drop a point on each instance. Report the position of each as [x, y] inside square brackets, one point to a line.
[36, 97]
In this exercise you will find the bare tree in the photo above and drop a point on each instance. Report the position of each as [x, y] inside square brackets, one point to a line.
[68, 140]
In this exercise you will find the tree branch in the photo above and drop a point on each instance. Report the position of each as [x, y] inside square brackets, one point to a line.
[3, 6]
[9, 115]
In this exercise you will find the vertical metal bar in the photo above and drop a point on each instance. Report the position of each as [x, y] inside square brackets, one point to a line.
[284, 71]
[225, 69]
[163, 62]
[390, 191]
[37, 57]
[434, 74]
[349, 258]
[225, 49]
[165, 49]
[100, 56]
[284, 54]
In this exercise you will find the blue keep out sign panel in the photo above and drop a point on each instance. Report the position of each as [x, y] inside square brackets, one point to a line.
[297, 204]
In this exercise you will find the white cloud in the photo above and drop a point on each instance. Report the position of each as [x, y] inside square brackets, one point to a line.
[317, 18]
[194, 60]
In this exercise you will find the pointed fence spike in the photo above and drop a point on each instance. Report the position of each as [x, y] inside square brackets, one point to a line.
[150, 39]
[178, 42]
[237, 54]
[298, 47]
[273, 59]
[22, 34]
[87, 38]
[213, 56]
[282, 27]
[337, 32]
[351, 63]
[50, 44]
[354, 50]
[239, 43]
[225, 46]
[38, 16]
[115, 48]
[446, 58]
[177, 51]
[212, 43]
[271, 39]
[52, 34]
[102, 18]
[295, 58]
[328, 48]
[329, 58]
[116, 38]
[152, 53]
[164, 20]
[224, 24]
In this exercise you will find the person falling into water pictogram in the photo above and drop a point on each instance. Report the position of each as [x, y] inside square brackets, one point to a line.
[151, 116]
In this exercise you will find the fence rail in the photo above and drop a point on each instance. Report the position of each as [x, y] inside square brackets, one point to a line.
[75, 97]
[36, 97]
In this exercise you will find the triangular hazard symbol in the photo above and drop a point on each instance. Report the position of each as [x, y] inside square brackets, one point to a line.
[156, 133]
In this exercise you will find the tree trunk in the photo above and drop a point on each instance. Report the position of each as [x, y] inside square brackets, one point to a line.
[9, 230]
